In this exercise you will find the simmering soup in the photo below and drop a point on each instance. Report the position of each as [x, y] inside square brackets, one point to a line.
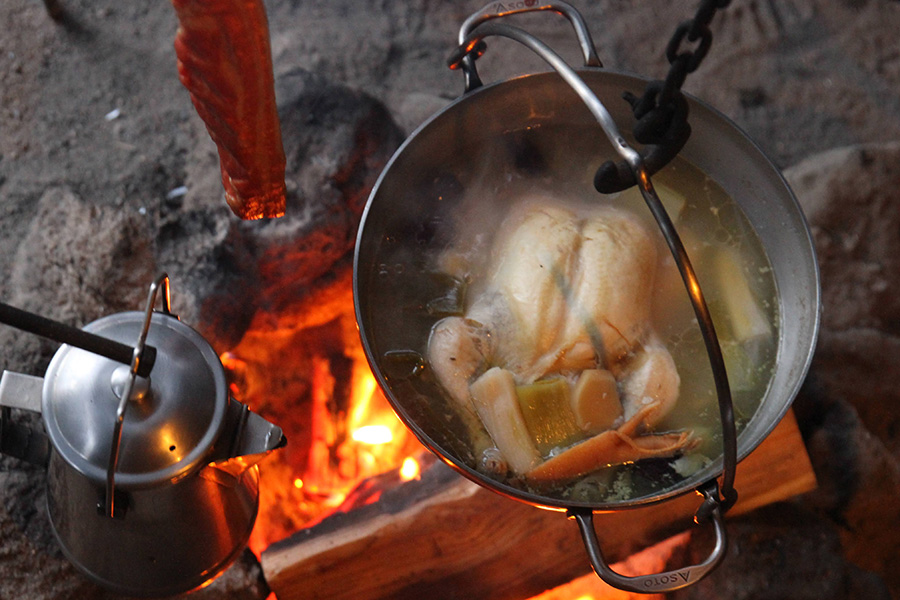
[541, 335]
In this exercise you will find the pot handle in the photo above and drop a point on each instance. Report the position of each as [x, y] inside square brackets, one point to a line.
[496, 10]
[636, 162]
[667, 581]
[692, 285]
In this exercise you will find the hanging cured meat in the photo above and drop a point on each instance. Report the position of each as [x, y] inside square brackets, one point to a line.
[225, 62]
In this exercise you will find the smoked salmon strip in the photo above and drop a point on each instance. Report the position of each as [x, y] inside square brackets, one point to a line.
[225, 62]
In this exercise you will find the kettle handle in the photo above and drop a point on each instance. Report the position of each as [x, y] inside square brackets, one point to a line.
[161, 281]
[73, 336]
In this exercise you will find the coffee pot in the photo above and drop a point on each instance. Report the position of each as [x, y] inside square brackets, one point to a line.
[152, 484]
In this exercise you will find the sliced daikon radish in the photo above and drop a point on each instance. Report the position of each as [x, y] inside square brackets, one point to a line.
[495, 400]
[746, 318]
[596, 402]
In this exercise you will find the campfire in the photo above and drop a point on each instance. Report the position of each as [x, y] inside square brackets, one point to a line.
[311, 376]
[347, 447]
[299, 363]
[353, 495]
[354, 492]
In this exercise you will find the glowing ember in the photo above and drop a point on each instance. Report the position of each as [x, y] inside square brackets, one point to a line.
[409, 470]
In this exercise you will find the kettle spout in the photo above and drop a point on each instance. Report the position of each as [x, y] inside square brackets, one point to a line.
[247, 439]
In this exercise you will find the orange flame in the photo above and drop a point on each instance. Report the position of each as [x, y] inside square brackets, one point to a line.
[347, 440]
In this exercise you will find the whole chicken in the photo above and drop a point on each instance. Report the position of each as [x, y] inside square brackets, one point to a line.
[556, 353]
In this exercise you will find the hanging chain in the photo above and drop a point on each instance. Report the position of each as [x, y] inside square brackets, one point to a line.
[661, 112]
[661, 125]
[686, 62]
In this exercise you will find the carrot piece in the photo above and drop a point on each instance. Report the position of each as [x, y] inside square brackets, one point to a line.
[609, 448]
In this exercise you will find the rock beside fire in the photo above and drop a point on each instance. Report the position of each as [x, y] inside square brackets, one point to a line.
[848, 410]
[859, 479]
[849, 196]
[779, 552]
[336, 142]
[96, 260]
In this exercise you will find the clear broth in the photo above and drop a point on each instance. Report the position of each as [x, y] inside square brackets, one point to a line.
[427, 265]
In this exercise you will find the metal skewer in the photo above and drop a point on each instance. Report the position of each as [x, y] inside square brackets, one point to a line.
[66, 334]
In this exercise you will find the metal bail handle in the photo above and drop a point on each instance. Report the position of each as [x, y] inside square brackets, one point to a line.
[109, 508]
[691, 283]
[667, 581]
[495, 10]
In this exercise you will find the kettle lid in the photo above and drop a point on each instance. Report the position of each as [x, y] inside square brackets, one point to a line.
[174, 416]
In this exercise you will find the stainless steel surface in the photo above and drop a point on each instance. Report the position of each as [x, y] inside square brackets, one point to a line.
[496, 10]
[125, 395]
[172, 538]
[170, 428]
[21, 391]
[452, 147]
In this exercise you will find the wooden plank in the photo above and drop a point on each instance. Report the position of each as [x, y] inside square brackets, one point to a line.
[446, 537]
[778, 469]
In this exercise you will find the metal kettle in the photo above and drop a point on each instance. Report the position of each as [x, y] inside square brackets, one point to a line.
[153, 487]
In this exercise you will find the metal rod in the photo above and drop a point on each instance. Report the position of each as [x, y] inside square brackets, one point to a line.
[496, 10]
[135, 362]
[66, 334]
[635, 162]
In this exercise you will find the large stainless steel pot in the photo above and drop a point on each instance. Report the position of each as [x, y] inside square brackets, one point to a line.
[485, 134]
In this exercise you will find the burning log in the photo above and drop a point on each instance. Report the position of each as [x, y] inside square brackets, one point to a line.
[443, 536]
